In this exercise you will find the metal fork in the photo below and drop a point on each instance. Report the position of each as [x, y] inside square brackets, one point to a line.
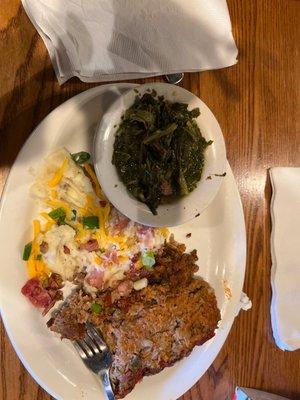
[96, 356]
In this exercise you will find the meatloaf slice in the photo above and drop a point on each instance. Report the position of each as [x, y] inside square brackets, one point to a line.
[148, 331]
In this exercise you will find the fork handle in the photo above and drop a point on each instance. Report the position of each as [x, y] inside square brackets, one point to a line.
[104, 376]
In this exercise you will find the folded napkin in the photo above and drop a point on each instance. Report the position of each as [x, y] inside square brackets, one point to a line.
[285, 251]
[101, 40]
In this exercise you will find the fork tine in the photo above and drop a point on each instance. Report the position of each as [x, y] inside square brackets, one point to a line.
[91, 343]
[95, 335]
[80, 350]
[85, 347]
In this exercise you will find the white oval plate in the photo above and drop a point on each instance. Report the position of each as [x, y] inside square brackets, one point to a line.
[184, 208]
[218, 235]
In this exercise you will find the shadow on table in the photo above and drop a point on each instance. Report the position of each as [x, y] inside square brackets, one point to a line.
[18, 121]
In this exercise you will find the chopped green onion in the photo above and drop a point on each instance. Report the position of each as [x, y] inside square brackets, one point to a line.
[58, 215]
[27, 251]
[81, 157]
[90, 222]
[96, 308]
[148, 259]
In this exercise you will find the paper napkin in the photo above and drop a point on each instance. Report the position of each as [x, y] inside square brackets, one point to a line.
[102, 40]
[285, 250]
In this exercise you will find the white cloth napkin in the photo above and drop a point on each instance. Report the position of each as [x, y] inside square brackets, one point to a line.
[285, 251]
[101, 40]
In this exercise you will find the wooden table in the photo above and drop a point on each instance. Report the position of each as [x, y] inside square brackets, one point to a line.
[257, 105]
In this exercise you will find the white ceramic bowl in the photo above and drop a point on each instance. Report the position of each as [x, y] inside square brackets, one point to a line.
[184, 208]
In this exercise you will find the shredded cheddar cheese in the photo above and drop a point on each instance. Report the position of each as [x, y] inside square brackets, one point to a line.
[54, 181]
[80, 196]
[46, 217]
[106, 212]
[36, 267]
[98, 260]
[164, 232]
[82, 235]
[50, 222]
[123, 259]
[54, 194]
[36, 228]
[94, 179]
[91, 206]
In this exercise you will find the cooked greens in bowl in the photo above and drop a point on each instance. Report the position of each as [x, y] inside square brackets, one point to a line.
[159, 150]
[152, 147]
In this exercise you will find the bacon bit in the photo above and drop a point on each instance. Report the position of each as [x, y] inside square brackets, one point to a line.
[132, 269]
[91, 245]
[52, 293]
[124, 303]
[46, 294]
[36, 294]
[136, 275]
[107, 300]
[133, 262]
[95, 278]
[44, 247]
[146, 235]
[66, 250]
[102, 203]
[135, 258]
[55, 281]
[57, 296]
[119, 224]
[125, 288]
[115, 296]
[110, 257]
[144, 230]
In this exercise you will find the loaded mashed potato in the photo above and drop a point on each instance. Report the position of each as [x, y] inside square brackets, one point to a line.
[79, 232]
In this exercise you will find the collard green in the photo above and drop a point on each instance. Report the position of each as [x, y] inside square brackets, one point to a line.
[159, 150]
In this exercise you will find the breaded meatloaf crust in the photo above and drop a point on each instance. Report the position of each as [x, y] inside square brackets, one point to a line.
[149, 329]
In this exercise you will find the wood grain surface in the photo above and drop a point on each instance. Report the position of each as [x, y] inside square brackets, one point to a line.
[257, 105]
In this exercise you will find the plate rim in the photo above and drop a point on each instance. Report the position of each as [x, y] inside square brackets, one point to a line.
[75, 100]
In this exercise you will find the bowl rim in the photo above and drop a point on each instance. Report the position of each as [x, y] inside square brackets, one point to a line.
[123, 200]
